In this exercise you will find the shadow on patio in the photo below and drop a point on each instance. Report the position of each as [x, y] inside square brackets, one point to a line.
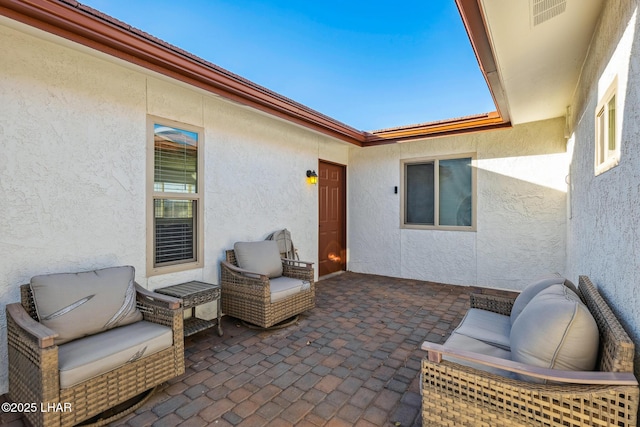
[354, 360]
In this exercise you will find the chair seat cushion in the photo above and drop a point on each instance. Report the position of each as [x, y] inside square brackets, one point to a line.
[283, 287]
[259, 257]
[463, 342]
[486, 326]
[557, 331]
[76, 305]
[88, 357]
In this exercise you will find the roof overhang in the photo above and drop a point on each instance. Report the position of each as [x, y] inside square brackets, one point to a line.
[86, 26]
[531, 52]
[474, 23]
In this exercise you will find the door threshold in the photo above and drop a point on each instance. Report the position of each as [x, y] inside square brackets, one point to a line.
[330, 275]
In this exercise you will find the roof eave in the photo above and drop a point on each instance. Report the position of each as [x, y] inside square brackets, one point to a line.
[486, 121]
[475, 25]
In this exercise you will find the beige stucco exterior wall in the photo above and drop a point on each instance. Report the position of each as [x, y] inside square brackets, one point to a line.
[603, 234]
[521, 194]
[73, 166]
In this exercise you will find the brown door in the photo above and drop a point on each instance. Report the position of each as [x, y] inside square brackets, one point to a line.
[332, 219]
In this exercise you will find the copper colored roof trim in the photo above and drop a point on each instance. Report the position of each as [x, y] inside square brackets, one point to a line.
[487, 121]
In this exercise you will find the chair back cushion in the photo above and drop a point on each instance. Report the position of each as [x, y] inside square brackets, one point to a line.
[557, 331]
[532, 290]
[80, 304]
[259, 257]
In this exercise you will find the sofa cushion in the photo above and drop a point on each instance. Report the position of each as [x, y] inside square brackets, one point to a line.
[259, 257]
[531, 291]
[486, 326]
[88, 357]
[463, 342]
[79, 304]
[555, 330]
[283, 286]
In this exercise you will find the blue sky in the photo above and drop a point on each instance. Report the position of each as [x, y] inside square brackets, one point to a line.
[371, 65]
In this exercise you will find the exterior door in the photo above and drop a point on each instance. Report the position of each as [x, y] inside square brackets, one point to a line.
[332, 218]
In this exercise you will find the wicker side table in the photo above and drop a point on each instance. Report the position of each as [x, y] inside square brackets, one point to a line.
[195, 293]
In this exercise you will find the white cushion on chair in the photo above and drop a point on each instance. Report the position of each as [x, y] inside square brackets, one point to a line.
[283, 286]
[531, 291]
[259, 257]
[79, 304]
[88, 357]
[555, 330]
[463, 342]
[486, 326]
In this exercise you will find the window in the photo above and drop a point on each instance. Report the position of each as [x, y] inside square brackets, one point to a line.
[607, 150]
[438, 193]
[175, 201]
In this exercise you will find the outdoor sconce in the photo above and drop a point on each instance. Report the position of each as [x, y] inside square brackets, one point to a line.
[312, 177]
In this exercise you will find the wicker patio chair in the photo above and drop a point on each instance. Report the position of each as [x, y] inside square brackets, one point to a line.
[34, 374]
[248, 295]
[456, 394]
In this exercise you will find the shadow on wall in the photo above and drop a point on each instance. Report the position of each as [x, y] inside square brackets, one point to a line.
[521, 233]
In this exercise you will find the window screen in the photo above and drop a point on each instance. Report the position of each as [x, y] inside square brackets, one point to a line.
[420, 196]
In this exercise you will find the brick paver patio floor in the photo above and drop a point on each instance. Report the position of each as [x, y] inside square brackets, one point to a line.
[354, 360]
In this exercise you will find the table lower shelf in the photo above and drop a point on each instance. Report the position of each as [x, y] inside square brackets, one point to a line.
[194, 325]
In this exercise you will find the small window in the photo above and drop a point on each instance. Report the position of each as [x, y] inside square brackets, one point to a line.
[607, 150]
[175, 212]
[438, 193]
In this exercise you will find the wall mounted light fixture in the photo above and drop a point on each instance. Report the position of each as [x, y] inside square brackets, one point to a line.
[312, 177]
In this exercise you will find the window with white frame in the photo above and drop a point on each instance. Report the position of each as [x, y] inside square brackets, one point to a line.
[438, 193]
[175, 207]
[607, 149]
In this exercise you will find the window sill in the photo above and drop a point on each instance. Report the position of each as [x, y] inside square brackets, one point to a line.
[175, 268]
[607, 165]
[437, 227]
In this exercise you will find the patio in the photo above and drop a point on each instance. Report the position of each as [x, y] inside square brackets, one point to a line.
[352, 361]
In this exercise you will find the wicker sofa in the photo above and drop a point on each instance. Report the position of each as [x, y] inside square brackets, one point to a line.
[78, 370]
[263, 289]
[462, 387]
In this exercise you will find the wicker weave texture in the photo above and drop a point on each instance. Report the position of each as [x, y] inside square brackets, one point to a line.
[492, 303]
[34, 375]
[616, 347]
[248, 297]
[457, 395]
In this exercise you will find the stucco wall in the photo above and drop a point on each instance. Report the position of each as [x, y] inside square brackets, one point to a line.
[603, 234]
[521, 207]
[72, 167]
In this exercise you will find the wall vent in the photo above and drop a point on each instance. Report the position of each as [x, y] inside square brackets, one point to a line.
[543, 10]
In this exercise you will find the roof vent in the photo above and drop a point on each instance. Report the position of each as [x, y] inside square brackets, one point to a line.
[543, 10]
